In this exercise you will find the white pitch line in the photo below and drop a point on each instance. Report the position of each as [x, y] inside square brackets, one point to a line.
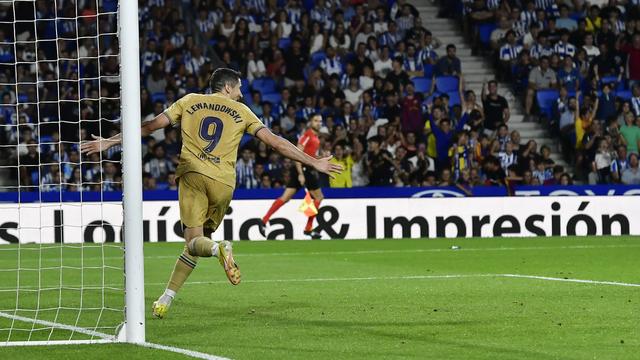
[370, 278]
[415, 277]
[57, 325]
[581, 281]
[104, 339]
[191, 353]
[386, 251]
[364, 252]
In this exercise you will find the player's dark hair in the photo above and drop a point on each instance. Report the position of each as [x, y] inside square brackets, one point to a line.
[222, 77]
[313, 115]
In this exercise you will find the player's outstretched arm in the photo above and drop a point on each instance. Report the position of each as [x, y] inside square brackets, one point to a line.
[289, 150]
[100, 144]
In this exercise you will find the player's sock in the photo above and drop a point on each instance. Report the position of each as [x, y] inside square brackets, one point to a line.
[202, 246]
[277, 204]
[309, 225]
[181, 271]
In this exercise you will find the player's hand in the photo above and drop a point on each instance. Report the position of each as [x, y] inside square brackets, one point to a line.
[99, 144]
[301, 179]
[324, 165]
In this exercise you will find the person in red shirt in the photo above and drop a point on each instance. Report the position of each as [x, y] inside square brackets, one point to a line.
[633, 60]
[305, 177]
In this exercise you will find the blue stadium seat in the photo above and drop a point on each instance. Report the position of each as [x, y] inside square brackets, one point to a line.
[454, 98]
[620, 85]
[428, 70]
[447, 83]
[308, 4]
[35, 180]
[246, 98]
[273, 98]
[422, 84]
[317, 57]
[546, 99]
[284, 43]
[244, 86]
[624, 94]
[484, 31]
[159, 96]
[264, 85]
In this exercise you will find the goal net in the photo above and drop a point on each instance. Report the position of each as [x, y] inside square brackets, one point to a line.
[61, 253]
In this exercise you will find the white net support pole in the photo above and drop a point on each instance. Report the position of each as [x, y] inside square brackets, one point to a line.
[132, 172]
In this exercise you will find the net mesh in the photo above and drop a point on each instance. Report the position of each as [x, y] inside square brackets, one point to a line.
[61, 259]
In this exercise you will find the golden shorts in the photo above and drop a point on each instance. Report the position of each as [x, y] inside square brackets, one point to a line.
[203, 200]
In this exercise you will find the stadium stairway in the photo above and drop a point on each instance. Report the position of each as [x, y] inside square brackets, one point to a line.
[476, 70]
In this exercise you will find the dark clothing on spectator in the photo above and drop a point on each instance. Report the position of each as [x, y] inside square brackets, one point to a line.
[494, 111]
[381, 168]
[295, 64]
[448, 66]
[398, 80]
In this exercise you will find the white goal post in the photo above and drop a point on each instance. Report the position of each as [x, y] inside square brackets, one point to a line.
[59, 83]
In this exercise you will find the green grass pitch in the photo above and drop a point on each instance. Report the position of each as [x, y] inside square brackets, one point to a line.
[364, 299]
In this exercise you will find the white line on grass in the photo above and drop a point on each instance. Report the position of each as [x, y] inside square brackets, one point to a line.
[191, 353]
[582, 281]
[58, 325]
[104, 339]
[463, 249]
[416, 277]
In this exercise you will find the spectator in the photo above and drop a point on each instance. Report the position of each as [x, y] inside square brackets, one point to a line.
[631, 176]
[633, 60]
[342, 180]
[509, 53]
[619, 164]
[449, 64]
[540, 78]
[601, 166]
[255, 68]
[160, 165]
[245, 176]
[564, 21]
[379, 164]
[496, 108]
[631, 134]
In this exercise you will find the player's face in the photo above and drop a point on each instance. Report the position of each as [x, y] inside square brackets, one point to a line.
[234, 91]
[316, 122]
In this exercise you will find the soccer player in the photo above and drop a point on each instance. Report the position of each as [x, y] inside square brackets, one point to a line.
[306, 177]
[212, 126]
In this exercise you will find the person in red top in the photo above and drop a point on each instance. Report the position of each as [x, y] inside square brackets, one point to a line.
[633, 60]
[305, 177]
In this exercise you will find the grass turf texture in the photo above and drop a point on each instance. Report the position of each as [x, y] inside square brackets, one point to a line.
[296, 301]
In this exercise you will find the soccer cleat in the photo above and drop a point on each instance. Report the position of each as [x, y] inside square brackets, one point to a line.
[315, 234]
[159, 309]
[264, 229]
[225, 256]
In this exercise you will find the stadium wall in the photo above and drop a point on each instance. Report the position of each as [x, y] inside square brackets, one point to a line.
[417, 216]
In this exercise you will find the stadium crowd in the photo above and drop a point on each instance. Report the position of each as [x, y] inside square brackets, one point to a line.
[392, 96]
[576, 65]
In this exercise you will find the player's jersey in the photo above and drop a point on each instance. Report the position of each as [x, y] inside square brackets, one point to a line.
[311, 143]
[212, 126]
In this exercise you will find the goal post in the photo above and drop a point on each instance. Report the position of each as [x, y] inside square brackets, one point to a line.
[71, 234]
[132, 171]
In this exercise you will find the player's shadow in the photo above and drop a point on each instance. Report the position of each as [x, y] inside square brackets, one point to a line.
[373, 328]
